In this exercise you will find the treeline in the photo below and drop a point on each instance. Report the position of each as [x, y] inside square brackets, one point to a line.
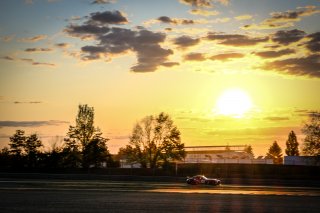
[83, 147]
[154, 143]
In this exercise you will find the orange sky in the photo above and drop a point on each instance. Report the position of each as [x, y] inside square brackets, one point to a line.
[130, 59]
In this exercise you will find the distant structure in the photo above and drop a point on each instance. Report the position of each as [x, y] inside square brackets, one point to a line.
[235, 154]
[222, 155]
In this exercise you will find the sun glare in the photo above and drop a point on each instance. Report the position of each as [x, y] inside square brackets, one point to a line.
[234, 103]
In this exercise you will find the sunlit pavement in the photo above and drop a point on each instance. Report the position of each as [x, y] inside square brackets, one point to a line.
[128, 186]
[26, 195]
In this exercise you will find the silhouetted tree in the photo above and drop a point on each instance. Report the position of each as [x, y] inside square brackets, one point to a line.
[5, 158]
[31, 147]
[311, 129]
[275, 153]
[96, 152]
[249, 150]
[292, 145]
[71, 154]
[17, 142]
[80, 137]
[154, 139]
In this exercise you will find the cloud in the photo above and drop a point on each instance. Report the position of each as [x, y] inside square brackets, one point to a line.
[277, 118]
[226, 56]
[9, 58]
[109, 17]
[36, 63]
[31, 123]
[197, 3]
[287, 37]
[7, 38]
[38, 50]
[304, 66]
[274, 54]
[204, 12]
[186, 41]
[28, 60]
[34, 38]
[103, 1]
[243, 17]
[195, 57]
[111, 41]
[235, 39]
[204, 3]
[168, 20]
[86, 30]
[27, 102]
[284, 19]
[314, 43]
[62, 45]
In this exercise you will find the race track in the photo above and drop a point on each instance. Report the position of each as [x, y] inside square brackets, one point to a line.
[19, 195]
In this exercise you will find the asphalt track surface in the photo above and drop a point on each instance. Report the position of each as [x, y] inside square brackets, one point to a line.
[25, 195]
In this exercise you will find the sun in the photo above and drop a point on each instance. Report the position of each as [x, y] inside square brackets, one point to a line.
[233, 103]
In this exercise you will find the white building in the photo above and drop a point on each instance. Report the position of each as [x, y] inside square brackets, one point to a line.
[221, 154]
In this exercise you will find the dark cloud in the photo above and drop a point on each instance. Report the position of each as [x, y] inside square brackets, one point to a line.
[226, 56]
[168, 20]
[274, 54]
[304, 66]
[304, 112]
[288, 37]
[235, 39]
[109, 17]
[111, 41]
[284, 19]
[314, 43]
[38, 50]
[31, 123]
[276, 118]
[62, 45]
[195, 57]
[293, 15]
[86, 30]
[185, 41]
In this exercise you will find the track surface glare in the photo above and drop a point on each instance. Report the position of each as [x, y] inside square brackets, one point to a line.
[110, 196]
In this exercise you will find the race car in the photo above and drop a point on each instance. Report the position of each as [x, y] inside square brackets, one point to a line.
[201, 179]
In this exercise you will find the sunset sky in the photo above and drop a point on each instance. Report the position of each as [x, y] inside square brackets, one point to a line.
[229, 72]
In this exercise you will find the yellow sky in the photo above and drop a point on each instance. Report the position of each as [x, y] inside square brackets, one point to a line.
[129, 60]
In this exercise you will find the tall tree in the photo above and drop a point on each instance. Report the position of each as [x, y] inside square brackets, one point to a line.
[275, 153]
[80, 137]
[311, 130]
[17, 142]
[249, 150]
[154, 139]
[31, 146]
[292, 145]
